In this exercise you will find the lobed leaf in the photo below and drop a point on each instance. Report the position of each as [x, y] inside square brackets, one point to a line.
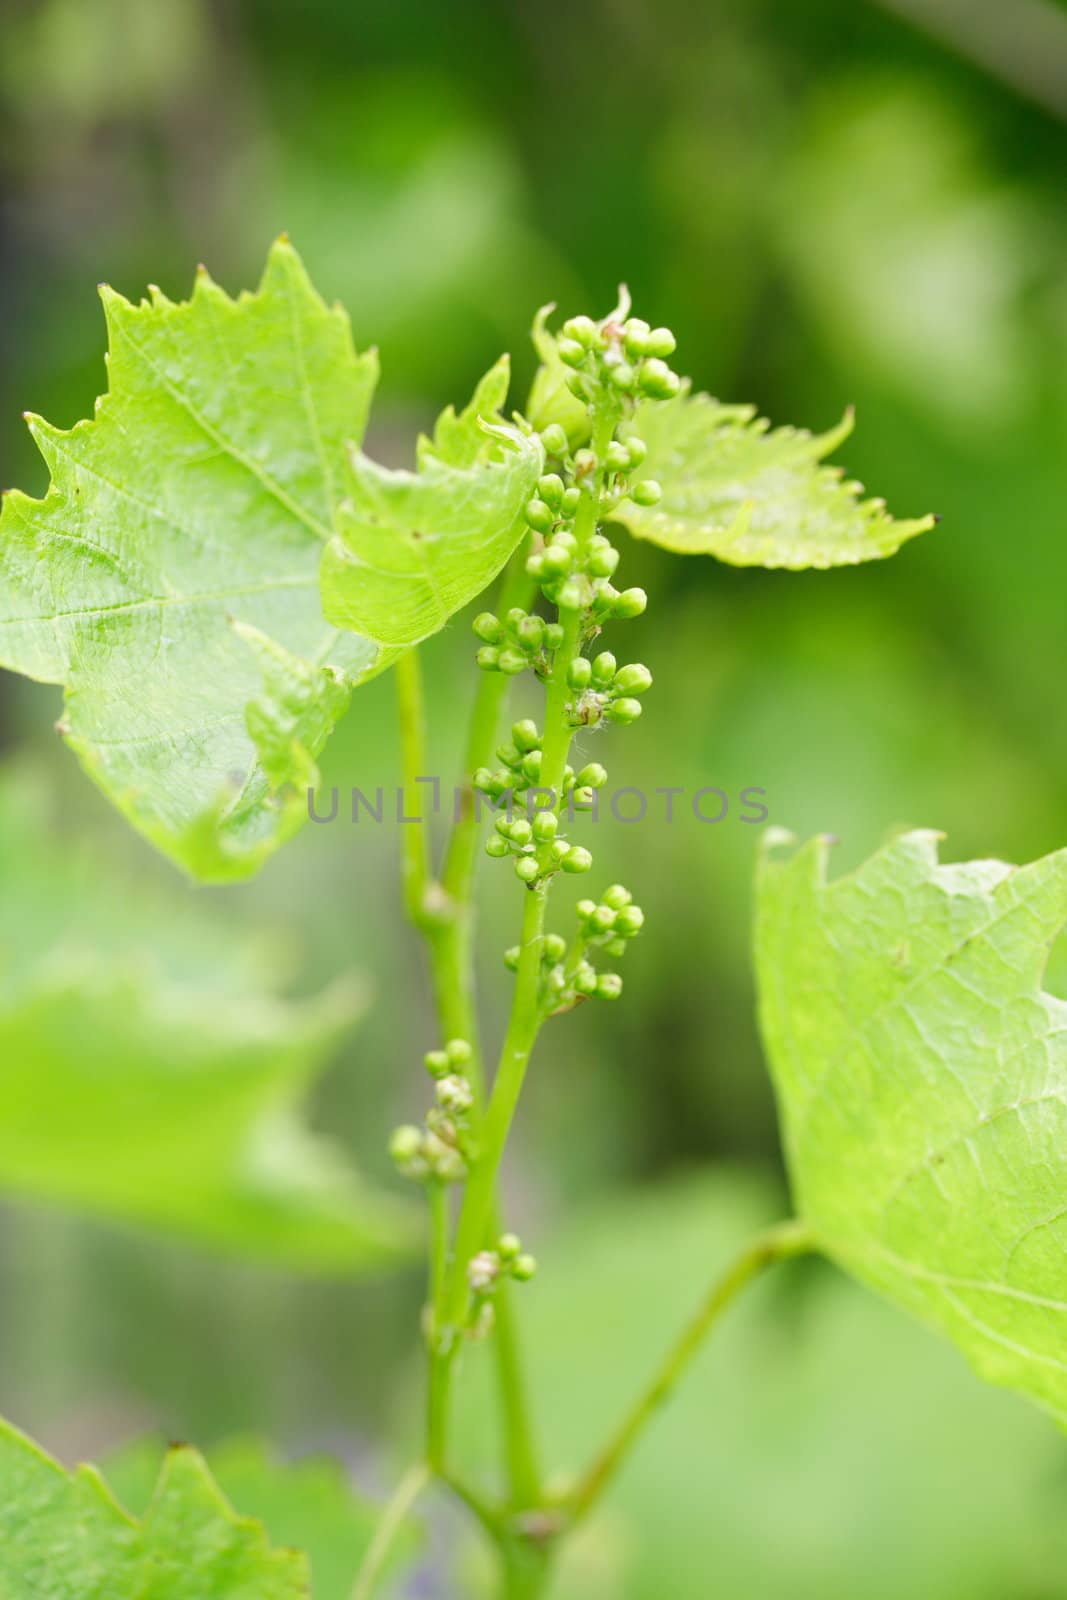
[413, 547]
[199, 497]
[308, 1504]
[922, 1077]
[64, 1537]
[752, 497]
[152, 1075]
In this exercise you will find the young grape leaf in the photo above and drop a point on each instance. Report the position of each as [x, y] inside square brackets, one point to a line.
[152, 1075]
[550, 399]
[308, 1504]
[922, 1077]
[413, 547]
[752, 497]
[190, 511]
[63, 1536]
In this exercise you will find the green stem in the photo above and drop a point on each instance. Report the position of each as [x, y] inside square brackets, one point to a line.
[776, 1244]
[443, 912]
[400, 1503]
[414, 834]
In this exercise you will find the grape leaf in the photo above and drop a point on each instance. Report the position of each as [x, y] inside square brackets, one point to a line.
[734, 489]
[152, 1075]
[64, 1537]
[922, 1077]
[199, 497]
[550, 399]
[308, 1504]
[413, 547]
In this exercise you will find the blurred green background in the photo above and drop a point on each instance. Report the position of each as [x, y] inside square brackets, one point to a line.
[834, 203]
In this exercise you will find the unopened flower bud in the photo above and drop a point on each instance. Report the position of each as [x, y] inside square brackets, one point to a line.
[630, 920]
[602, 563]
[570, 352]
[646, 493]
[658, 381]
[630, 603]
[508, 1246]
[551, 488]
[524, 1267]
[405, 1145]
[592, 776]
[554, 439]
[570, 596]
[585, 979]
[483, 1271]
[512, 957]
[661, 342]
[636, 449]
[554, 947]
[624, 710]
[553, 635]
[496, 847]
[608, 986]
[488, 657]
[436, 1063]
[545, 826]
[487, 627]
[539, 516]
[583, 330]
[577, 859]
[572, 499]
[512, 662]
[458, 1052]
[616, 897]
[632, 679]
[604, 667]
[556, 558]
[526, 869]
[559, 849]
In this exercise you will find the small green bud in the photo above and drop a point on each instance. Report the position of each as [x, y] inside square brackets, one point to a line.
[436, 1063]
[551, 488]
[583, 330]
[535, 565]
[658, 381]
[539, 516]
[405, 1144]
[585, 909]
[635, 336]
[524, 1267]
[608, 986]
[487, 627]
[636, 449]
[508, 1246]
[556, 558]
[454, 1095]
[630, 603]
[483, 780]
[579, 673]
[531, 766]
[633, 679]
[496, 846]
[603, 919]
[661, 342]
[579, 386]
[602, 563]
[521, 832]
[488, 658]
[583, 798]
[554, 947]
[512, 957]
[570, 352]
[571, 501]
[570, 596]
[616, 947]
[604, 667]
[553, 635]
[629, 921]
[512, 662]
[616, 897]
[584, 463]
[458, 1052]
[509, 754]
[568, 779]
[530, 633]
[585, 978]
[565, 539]
[554, 439]
[526, 869]
[559, 849]
[514, 618]
[525, 734]
[618, 457]
[577, 859]
[624, 710]
[592, 776]
[503, 826]
[646, 493]
[545, 826]
[621, 375]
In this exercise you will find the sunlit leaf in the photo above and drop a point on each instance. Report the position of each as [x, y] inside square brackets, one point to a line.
[192, 509]
[151, 1073]
[753, 497]
[922, 1077]
[64, 1537]
[413, 547]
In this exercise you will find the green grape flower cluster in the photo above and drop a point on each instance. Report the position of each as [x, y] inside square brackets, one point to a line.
[517, 641]
[441, 1149]
[604, 689]
[627, 356]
